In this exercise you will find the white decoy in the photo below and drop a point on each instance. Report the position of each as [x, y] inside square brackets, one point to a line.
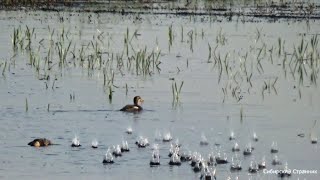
[125, 146]
[167, 137]
[204, 140]
[94, 144]
[75, 142]
[129, 130]
[108, 158]
[117, 151]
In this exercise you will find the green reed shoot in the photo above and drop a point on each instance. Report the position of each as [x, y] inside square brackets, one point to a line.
[190, 34]
[126, 89]
[63, 52]
[170, 35]
[221, 38]
[4, 68]
[181, 33]
[279, 46]
[27, 107]
[241, 114]
[209, 55]
[176, 91]
[110, 93]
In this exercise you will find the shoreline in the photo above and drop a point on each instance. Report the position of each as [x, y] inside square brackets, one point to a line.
[271, 11]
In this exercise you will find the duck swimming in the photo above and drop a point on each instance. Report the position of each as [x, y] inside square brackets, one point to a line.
[135, 107]
[40, 142]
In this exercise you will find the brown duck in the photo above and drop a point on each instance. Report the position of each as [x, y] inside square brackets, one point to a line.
[135, 107]
[40, 142]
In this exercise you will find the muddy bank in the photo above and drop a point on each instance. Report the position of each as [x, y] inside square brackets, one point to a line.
[274, 10]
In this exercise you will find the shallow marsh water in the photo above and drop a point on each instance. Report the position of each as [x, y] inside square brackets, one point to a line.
[277, 116]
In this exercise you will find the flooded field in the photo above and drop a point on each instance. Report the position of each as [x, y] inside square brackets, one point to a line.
[209, 81]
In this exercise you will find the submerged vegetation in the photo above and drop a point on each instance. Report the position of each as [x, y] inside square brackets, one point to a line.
[50, 57]
[238, 71]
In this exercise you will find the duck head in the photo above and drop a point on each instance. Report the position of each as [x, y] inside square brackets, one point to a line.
[137, 100]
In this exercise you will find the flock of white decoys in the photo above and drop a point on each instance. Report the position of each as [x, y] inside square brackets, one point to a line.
[207, 166]
[198, 163]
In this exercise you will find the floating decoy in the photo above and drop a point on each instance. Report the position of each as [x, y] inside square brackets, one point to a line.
[155, 159]
[129, 130]
[262, 164]
[235, 165]
[75, 142]
[185, 156]
[194, 159]
[204, 140]
[167, 137]
[94, 144]
[232, 136]
[275, 160]
[255, 137]
[248, 150]
[125, 147]
[253, 168]
[221, 160]
[285, 172]
[235, 147]
[173, 148]
[208, 174]
[158, 136]
[211, 160]
[116, 151]
[108, 158]
[314, 140]
[175, 159]
[274, 147]
[142, 142]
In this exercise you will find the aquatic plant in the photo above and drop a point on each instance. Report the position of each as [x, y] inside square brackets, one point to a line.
[176, 91]
[4, 68]
[170, 35]
[27, 106]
